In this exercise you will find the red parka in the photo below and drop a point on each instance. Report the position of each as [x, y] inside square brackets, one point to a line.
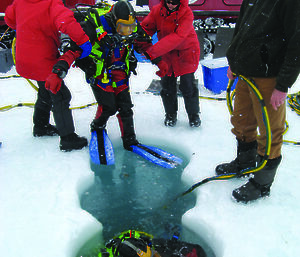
[178, 43]
[38, 24]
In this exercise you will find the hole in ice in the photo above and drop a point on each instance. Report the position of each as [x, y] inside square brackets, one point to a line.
[137, 194]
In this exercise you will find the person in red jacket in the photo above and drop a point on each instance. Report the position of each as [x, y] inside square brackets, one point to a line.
[179, 48]
[38, 25]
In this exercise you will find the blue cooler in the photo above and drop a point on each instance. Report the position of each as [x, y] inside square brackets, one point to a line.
[215, 74]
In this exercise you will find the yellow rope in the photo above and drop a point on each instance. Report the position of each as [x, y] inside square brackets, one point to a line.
[268, 141]
[4, 33]
[293, 99]
[11, 106]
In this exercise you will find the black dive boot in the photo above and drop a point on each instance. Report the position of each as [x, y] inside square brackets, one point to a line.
[127, 131]
[170, 120]
[129, 141]
[258, 186]
[246, 158]
[41, 125]
[98, 125]
[72, 142]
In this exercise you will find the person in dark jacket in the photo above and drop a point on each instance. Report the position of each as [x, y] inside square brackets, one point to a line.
[38, 24]
[179, 48]
[266, 49]
[110, 64]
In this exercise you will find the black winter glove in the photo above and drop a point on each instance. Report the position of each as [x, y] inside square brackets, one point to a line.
[112, 40]
[88, 66]
[153, 61]
[132, 64]
[61, 68]
[66, 44]
[160, 63]
[142, 35]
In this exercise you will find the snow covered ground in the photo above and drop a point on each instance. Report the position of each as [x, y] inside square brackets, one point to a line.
[40, 186]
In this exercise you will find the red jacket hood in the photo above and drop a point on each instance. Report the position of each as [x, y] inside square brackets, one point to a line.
[183, 5]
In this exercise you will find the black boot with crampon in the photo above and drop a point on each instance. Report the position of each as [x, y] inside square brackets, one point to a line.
[246, 158]
[258, 186]
[41, 126]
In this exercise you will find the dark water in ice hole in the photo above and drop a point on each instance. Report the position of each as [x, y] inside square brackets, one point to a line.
[137, 194]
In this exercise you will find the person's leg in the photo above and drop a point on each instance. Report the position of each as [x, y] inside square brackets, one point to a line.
[245, 129]
[64, 120]
[125, 118]
[190, 93]
[260, 184]
[106, 106]
[41, 114]
[61, 111]
[168, 95]
[276, 117]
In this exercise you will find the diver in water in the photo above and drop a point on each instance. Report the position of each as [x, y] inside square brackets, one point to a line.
[132, 243]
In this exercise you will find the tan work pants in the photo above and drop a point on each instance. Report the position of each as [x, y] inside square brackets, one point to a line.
[247, 116]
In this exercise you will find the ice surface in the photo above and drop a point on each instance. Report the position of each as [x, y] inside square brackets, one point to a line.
[40, 186]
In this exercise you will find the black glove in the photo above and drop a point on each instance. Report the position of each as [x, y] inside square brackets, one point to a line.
[88, 66]
[61, 68]
[161, 64]
[67, 44]
[142, 35]
[132, 64]
[112, 40]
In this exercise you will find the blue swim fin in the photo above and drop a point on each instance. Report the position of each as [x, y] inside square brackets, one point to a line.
[157, 156]
[101, 149]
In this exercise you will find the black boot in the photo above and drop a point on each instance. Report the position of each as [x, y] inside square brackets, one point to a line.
[129, 141]
[170, 120]
[170, 101]
[194, 120]
[97, 125]
[41, 125]
[72, 142]
[258, 186]
[246, 158]
[47, 130]
[127, 130]
[192, 107]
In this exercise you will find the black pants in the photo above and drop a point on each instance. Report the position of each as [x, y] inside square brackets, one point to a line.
[111, 103]
[189, 90]
[59, 103]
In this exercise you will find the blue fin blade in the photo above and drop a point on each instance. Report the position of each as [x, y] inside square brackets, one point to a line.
[147, 153]
[93, 148]
[165, 154]
[101, 149]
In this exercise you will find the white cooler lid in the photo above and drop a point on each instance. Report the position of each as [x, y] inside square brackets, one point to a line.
[215, 63]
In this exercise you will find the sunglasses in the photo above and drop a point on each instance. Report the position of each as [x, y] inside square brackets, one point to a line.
[172, 3]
